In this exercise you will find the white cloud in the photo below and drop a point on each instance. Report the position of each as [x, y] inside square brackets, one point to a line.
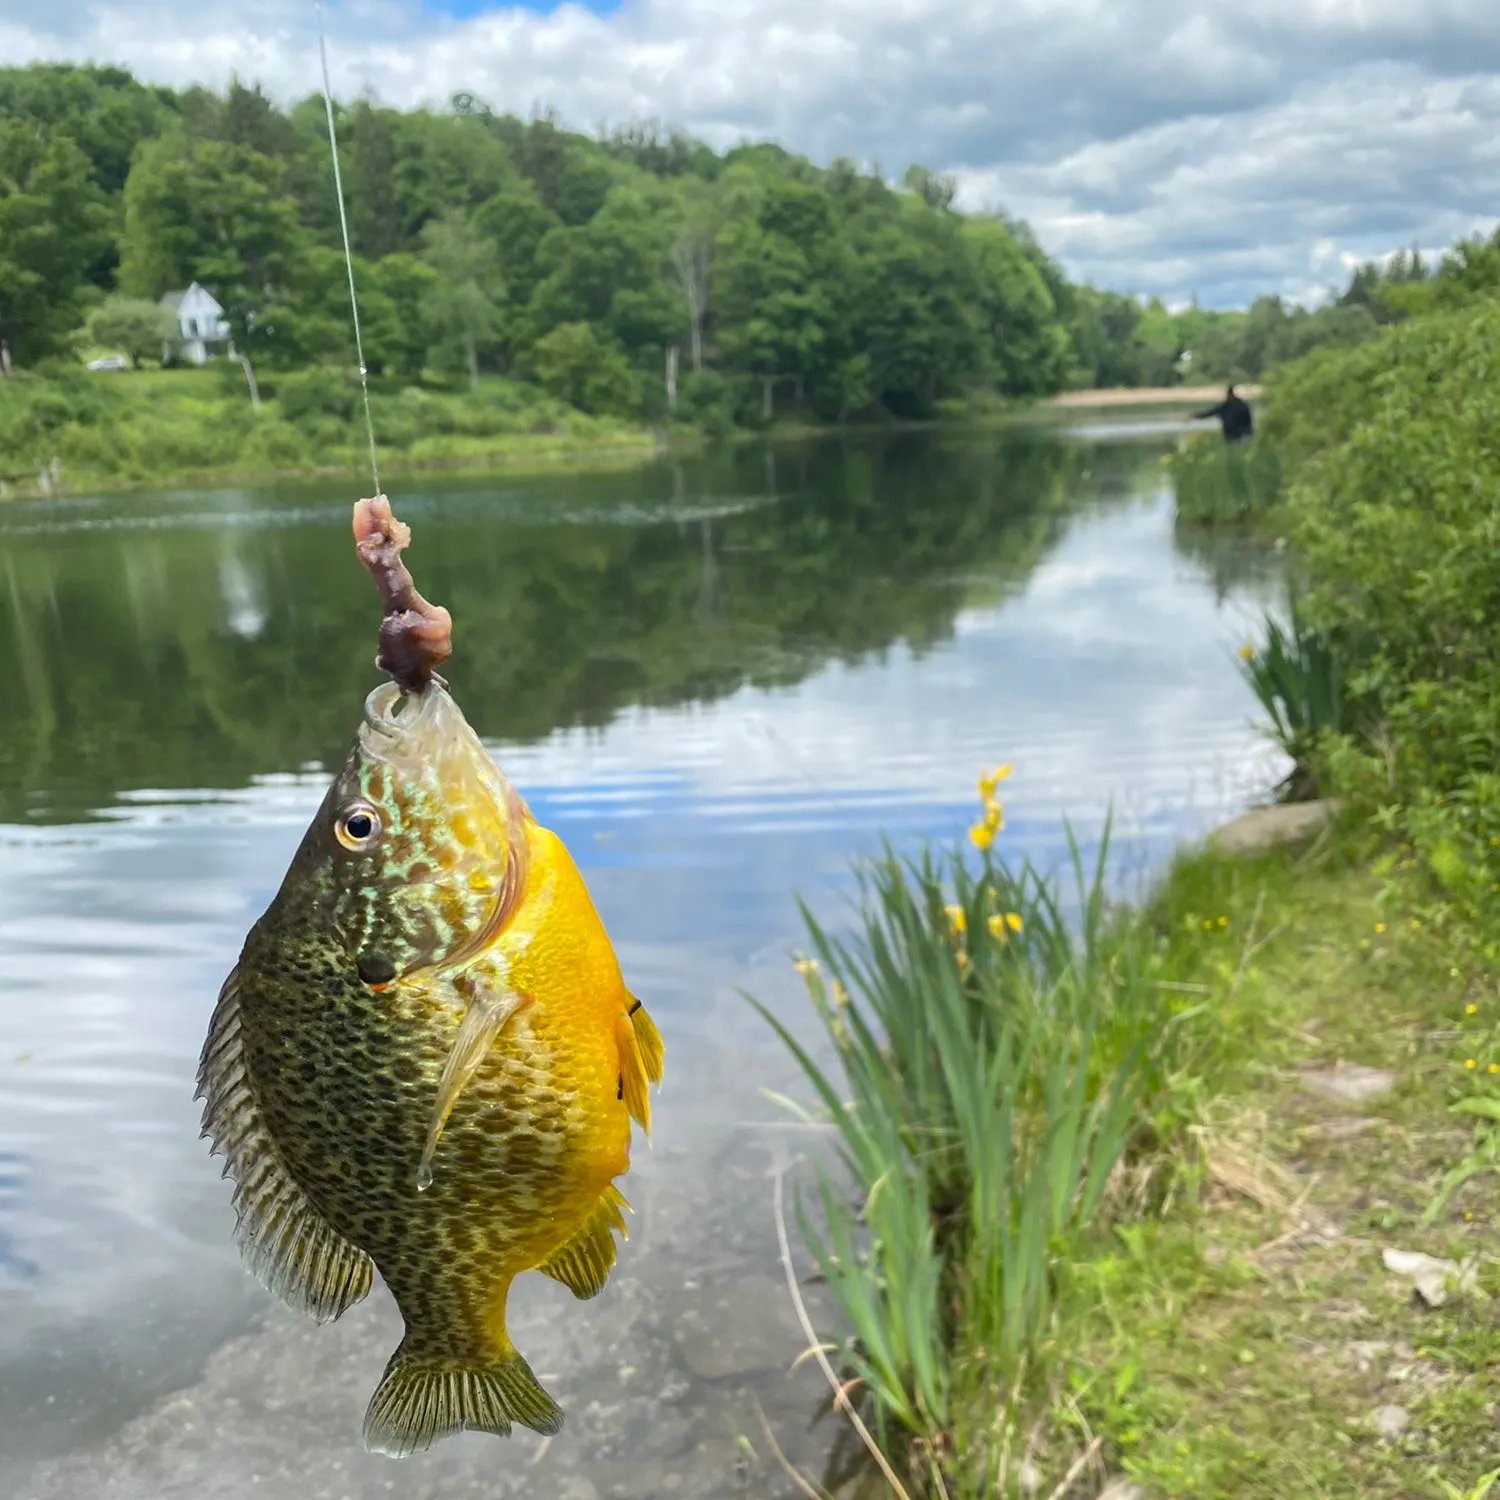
[1156, 145]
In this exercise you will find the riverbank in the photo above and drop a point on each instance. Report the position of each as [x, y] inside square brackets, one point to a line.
[115, 432]
[99, 433]
[1199, 1197]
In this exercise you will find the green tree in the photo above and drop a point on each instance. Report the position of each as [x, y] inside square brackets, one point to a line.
[576, 366]
[461, 302]
[202, 210]
[54, 226]
[132, 325]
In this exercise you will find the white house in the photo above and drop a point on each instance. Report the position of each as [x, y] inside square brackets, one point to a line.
[201, 326]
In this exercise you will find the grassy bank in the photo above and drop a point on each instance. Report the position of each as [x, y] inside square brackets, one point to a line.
[1132, 1198]
[176, 426]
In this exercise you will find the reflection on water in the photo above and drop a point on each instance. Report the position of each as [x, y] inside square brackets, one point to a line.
[718, 681]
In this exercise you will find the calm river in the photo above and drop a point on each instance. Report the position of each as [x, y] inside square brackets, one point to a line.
[719, 680]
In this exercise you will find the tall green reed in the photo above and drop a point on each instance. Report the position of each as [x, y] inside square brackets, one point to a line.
[1300, 677]
[1218, 482]
[988, 1059]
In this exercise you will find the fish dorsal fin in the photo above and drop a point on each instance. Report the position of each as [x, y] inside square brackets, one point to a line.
[288, 1245]
[640, 1060]
[583, 1264]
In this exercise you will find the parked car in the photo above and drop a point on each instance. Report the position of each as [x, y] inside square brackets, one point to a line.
[110, 362]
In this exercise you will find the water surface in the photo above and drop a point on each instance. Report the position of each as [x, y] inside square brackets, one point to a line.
[719, 680]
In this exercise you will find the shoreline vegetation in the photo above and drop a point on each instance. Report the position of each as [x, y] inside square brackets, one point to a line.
[528, 290]
[1200, 1195]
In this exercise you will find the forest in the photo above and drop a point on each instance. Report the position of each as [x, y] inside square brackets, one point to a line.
[635, 274]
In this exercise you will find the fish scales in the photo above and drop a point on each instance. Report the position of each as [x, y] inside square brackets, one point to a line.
[427, 1062]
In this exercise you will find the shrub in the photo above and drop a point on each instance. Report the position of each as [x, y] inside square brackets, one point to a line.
[1399, 527]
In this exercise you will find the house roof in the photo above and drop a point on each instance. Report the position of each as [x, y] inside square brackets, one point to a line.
[174, 300]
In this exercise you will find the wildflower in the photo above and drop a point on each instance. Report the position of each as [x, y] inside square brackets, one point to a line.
[963, 960]
[840, 994]
[1001, 925]
[1470, 1063]
[1471, 1009]
[981, 835]
[1223, 921]
[806, 967]
[956, 918]
[1380, 927]
[989, 780]
[1415, 924]
[1247, 652]
[1013, 921]
[1493, 1068]
[1468, 1217]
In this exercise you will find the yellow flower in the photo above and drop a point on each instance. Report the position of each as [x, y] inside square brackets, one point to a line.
[981, 835]
[956, 918]
[1380, 927]
[1013, 921]
[806, 967]
[989, 780]
[1247, 652]
[1223, 921]
[1471, 1009]
[1415, 924]
[963, 960]
[840, 994]
[1470, 1063]
[1493, 1068]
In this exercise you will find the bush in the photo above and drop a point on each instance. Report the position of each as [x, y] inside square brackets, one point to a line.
[1399, 526]
[308, 395]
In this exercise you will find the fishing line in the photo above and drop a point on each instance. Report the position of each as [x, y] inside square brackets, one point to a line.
[338, 188]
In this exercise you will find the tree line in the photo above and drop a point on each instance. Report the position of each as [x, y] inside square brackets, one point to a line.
[626, 273]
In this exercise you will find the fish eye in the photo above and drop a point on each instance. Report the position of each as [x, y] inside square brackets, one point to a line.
[357, 827]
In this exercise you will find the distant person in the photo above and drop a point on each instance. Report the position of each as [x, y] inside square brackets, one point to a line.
[1233, 414]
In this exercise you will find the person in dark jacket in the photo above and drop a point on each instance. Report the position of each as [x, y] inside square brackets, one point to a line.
[1234, 416]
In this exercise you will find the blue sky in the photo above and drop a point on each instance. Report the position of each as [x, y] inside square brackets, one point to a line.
[1165, 147]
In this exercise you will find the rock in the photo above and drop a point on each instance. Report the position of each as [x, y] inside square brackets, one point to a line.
[1264, 827]
[1431, 1278]
[1390, 1421]
[1348, 1083]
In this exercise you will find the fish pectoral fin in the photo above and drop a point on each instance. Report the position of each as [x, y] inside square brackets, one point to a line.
[490, 1007]
[419, 1399]
[648, 1039]
[583, 1263]
[640, 1048]
[287, 1244]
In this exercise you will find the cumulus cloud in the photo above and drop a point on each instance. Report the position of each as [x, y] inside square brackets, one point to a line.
[1166, 146]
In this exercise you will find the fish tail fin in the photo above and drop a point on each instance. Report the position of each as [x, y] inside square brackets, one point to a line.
[640, 1061]
[421, 1398]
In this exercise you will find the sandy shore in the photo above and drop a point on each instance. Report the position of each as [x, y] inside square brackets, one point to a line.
[1149, 395]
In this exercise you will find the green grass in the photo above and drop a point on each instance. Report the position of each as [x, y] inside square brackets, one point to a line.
[1079, 1189]
[1217, 483]
[167, 426]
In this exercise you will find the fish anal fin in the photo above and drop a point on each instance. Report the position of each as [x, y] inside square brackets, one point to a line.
[583, 1263]
[420, 1399]
[286, 1243]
